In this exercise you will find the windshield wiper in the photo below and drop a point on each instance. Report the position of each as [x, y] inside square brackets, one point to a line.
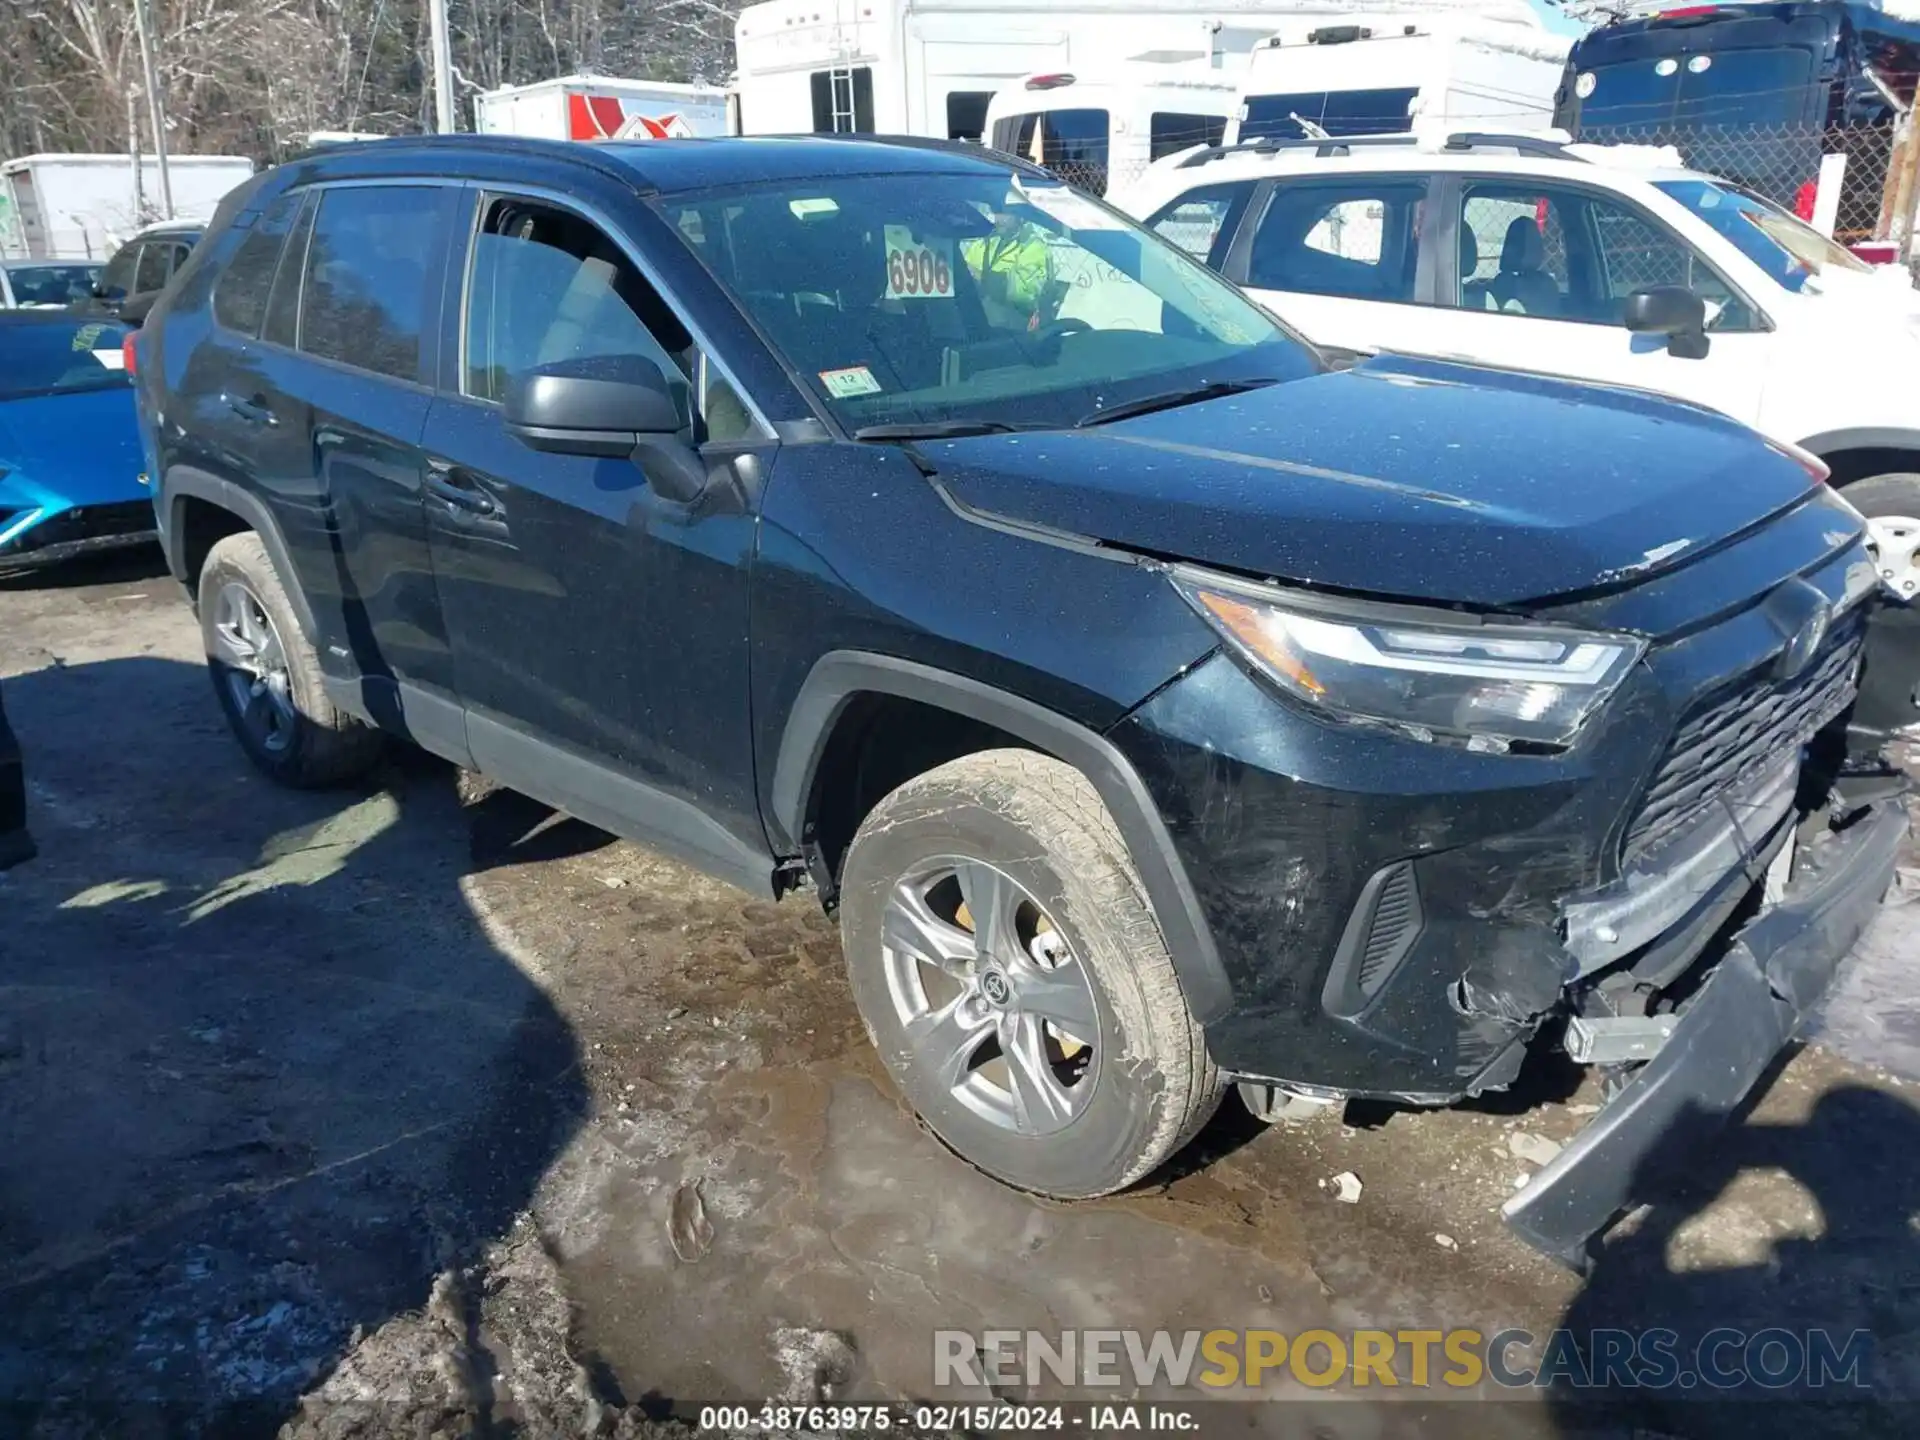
[941, 429]
[1168, 399]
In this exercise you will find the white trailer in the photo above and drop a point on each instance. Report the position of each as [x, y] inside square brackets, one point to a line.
[81, 207]
[1383, 73]
[598, 107]
[931, 67]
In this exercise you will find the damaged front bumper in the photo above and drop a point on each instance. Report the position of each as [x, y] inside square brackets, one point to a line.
[1722, 1040]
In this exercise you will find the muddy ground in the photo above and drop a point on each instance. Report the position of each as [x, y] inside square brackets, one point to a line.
[418, 1110]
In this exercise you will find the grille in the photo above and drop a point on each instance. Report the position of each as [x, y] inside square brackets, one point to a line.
[1732, 738]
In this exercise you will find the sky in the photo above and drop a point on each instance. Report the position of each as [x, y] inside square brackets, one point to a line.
[1557, 21]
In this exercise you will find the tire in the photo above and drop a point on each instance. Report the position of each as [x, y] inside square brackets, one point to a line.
[1029, 830]
[1891, 504]
[256, 649]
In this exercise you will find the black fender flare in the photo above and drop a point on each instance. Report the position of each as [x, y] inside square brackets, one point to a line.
[185, 481]
[841, 675]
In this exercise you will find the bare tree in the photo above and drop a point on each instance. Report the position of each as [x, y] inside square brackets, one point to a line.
[255, 77]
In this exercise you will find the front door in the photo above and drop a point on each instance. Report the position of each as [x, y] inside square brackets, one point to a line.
[599, 630]
[1544, 271]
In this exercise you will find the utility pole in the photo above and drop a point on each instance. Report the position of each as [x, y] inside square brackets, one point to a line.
[156, 106]
[442, 43]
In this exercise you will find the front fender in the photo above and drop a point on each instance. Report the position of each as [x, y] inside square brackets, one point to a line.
[841, 675]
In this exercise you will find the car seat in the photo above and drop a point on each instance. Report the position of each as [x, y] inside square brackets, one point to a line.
[1523, 283]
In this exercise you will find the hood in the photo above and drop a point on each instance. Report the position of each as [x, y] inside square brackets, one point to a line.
[1413, 479]
[78, 448]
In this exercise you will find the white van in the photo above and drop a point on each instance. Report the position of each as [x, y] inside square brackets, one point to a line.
[1387, 73]
[1094, 129]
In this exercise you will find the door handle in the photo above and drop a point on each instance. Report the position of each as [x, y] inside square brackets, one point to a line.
[451, 487]
[254, 410]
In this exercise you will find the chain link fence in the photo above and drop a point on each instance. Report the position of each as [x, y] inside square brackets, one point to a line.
[1781, 163]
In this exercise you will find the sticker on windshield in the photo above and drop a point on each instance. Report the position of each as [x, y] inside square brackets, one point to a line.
[1070, 208]
[917, 269]
[853, 381]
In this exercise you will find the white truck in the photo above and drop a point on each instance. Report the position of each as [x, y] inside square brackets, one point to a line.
[931, 67]
[82, 207]
[1389, 72]
[1107, 127]
[598, 107]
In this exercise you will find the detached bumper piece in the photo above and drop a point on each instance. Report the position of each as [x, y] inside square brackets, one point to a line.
[81, 531]
[1776, 970]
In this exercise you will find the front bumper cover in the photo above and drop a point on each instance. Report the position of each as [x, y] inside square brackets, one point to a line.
[1775, 971]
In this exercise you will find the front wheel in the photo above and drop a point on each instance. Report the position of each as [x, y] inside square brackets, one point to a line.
[1009, 969]
[1891, 504]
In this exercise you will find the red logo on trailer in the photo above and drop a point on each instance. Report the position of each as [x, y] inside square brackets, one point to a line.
[605, 117]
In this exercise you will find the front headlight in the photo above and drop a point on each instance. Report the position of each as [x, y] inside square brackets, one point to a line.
[1489, 684]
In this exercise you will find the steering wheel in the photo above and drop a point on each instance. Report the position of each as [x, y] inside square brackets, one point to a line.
[1046, 340]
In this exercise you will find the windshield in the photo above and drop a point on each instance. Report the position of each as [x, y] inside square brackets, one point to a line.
[1786, 248]
[1697, 87]
[40, 358]
[1338, 112]
[50, 284]
[975, 297]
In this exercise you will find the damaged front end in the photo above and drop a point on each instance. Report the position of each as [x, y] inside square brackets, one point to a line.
[1700, 962]
[1404, 916]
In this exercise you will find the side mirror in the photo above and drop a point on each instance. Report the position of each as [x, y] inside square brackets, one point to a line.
[1673, 311]
[613, 407]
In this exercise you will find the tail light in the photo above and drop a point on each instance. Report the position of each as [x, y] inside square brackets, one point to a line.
[129, 355]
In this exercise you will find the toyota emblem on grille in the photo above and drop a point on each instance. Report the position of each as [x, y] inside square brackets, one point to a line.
[1805, 615]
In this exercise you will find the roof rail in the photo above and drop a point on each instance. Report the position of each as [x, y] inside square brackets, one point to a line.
[1344, 144]
[1519, 144]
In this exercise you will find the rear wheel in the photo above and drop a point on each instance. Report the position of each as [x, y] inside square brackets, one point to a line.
[1009, 969]
[267, 676]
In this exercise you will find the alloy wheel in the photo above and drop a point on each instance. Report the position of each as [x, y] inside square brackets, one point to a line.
[996, 1007]
[253, 665]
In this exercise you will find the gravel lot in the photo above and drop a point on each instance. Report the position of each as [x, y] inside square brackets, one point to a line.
[417, 1109]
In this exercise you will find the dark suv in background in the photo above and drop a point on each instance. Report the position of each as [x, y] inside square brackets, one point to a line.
[1157, 707]
[140, 270]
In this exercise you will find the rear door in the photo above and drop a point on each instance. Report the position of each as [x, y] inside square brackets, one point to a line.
[337, 407]
[1339, 259]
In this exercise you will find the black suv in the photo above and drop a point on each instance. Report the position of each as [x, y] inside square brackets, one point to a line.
[1157, 707]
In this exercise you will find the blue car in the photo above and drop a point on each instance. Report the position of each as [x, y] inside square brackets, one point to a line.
[71, 476]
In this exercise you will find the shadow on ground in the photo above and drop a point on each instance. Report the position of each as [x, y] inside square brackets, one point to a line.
[1736, 1305]
[263, 1075]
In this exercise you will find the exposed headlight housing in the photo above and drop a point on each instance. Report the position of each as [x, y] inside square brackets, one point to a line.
[1489, 685]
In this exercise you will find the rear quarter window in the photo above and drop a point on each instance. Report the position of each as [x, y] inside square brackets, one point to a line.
[240, 294]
